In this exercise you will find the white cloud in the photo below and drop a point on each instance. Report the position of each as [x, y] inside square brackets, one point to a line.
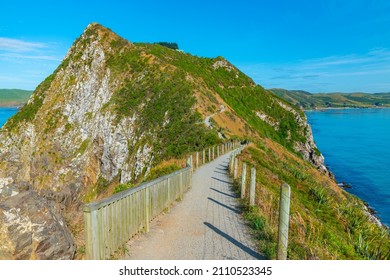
[14, 45]
[20, 58]
[12, 56]
[369, 72]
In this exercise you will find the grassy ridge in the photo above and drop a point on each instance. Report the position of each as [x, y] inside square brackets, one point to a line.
[325, 221]
[14, 97]
[235, 88]
[308, 100]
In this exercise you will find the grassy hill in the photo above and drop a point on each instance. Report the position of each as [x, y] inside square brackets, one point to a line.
[326, 222]
[14, 97]
[114, 111]
[307, 100]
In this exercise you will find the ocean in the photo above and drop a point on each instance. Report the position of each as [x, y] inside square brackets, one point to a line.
[5, 114]
[356, 147]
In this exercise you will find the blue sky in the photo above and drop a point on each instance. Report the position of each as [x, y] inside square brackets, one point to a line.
[319, 46]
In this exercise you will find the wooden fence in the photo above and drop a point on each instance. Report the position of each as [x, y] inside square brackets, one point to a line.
[111, 222]
[284, 203]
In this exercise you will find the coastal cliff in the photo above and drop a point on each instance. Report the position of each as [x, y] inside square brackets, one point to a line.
[111, 112]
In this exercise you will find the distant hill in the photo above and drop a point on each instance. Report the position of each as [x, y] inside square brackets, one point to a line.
[14, 97]
[307, 100]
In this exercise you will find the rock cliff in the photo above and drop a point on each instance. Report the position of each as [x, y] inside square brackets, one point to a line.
[109, 113]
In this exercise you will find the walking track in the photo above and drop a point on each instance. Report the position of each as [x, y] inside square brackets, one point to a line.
[207, 224]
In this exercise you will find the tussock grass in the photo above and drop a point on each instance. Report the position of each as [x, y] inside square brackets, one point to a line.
[325, 221]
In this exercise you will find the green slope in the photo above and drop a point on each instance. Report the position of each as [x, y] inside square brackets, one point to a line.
[236, 89]
[308, 100]
[325, 221]
[14, 97]
[164, 89]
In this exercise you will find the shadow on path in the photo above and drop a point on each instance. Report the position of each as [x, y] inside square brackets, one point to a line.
[223, 181]
[218, 191]
[225, 169]
[235, 242]
[223, 205]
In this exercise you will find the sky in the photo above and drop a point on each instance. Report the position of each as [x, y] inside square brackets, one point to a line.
[317, 46]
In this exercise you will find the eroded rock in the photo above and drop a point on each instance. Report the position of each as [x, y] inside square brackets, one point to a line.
[30, 228]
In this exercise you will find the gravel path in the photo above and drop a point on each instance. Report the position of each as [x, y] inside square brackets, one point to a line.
[206, 225]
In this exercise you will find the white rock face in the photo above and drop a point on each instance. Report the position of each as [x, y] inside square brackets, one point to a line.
[264, 117]
[223, 64]
[308, 149]
[5, 182]
[73, 139]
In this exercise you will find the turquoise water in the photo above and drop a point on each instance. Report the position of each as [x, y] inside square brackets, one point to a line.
[356, 147]
[5, 114]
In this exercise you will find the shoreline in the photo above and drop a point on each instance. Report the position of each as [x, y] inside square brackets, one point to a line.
[371, 213]
[11, 106]
[345, 184]
[343, 108]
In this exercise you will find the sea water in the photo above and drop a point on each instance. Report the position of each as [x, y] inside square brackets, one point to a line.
[5, 114]
[356, 147]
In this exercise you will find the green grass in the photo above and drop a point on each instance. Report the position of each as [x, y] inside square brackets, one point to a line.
[325, 222]
[160, 171]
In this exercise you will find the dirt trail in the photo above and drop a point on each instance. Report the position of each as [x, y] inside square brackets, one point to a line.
[207, 224]
[208, 123]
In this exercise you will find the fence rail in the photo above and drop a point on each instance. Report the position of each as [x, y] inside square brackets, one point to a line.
[111, 222]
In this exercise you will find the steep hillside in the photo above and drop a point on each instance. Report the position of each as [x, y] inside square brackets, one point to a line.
[307, 100]
[14, 97]
[109, 116]
[326, 222]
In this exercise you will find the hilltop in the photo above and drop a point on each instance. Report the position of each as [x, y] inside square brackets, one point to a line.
[115, 113]
[307, 100]
[14, 97]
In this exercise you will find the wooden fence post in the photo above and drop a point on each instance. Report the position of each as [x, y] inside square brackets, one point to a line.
[252, 190]
[169, 192]
[91, 234]
[231, 163]
[209, 154]
[235, 174]
[192, 164]
[197, 160]
[147, 208]
[243, 180]
[284, 218]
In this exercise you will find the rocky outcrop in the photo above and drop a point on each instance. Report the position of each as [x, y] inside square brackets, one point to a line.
[90, 124]
[30, 228]
[308, 149]
[265, 118]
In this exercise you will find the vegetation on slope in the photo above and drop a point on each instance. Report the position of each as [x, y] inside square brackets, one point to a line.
[166, 92]
[325, 221]
[308, 100]
[217, 76]
[14, 97]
